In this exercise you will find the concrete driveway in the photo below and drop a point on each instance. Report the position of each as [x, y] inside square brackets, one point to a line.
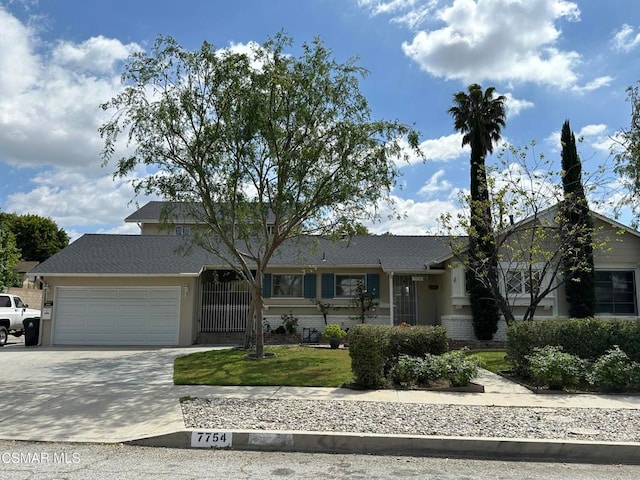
[89, 365]
[88, 394]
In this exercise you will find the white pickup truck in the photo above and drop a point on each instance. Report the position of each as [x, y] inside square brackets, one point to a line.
[13, 312]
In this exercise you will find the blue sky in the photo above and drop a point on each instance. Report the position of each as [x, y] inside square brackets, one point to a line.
[553, 59]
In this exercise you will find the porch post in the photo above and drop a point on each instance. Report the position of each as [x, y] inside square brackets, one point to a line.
[391, 298]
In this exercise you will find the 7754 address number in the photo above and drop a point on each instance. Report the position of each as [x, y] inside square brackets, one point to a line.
[210, 439]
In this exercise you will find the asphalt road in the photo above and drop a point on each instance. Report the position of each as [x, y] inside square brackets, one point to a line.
[43, 461]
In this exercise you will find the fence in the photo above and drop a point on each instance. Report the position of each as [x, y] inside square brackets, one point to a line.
[225, 306]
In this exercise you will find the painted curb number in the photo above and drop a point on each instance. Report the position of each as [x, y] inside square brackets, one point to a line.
[210, 439]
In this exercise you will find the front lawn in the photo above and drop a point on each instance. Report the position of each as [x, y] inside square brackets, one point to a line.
[492, 360]
[291, 366]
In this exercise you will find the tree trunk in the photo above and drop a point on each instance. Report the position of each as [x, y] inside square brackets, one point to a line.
[249, 330]
[258, 308]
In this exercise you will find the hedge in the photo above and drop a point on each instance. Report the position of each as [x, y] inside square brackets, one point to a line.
[588, 338]
[374, 348]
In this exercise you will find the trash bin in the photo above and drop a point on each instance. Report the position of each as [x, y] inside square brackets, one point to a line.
[31, 331]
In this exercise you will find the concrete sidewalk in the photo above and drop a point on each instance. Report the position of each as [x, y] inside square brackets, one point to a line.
[81, 399]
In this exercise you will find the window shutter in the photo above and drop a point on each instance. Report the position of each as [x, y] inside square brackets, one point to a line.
[310, 285]
[373, 284]
[266, 285]
[327, 285]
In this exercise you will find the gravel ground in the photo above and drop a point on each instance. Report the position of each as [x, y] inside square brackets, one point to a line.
[616, 425]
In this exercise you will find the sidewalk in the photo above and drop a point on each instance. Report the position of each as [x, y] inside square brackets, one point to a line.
[151, 415]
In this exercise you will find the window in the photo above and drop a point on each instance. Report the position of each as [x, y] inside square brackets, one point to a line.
[5, 301]
[521, 282]
[183, 231]
[616, 292]
[347, 285]
[287, 285]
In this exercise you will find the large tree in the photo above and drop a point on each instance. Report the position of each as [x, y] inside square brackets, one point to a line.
[480, 116]
[577, 256]
[627, 155]
[531, 233]
[259, 148]
[37, 238]
[9, 257]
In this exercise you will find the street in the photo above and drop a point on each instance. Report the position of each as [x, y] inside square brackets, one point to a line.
[41, 461]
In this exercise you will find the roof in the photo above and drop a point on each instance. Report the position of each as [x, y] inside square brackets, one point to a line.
[26, 267]
[153, 211]
[102, 254]
[159, 211]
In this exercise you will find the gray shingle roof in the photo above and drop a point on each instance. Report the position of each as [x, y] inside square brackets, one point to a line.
[164, 254]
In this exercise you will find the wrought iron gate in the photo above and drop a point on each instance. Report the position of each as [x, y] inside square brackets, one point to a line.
[404, 300]
[225, 306]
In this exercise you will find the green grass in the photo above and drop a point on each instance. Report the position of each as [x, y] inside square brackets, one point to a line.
[291, 366]
[492, 360]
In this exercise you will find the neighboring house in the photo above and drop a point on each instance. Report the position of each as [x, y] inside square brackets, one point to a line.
[141, 290]
[26, 279]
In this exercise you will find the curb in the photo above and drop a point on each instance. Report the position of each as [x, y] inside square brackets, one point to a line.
[572, 451]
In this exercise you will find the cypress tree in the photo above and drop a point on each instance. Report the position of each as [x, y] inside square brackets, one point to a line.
[577, 223]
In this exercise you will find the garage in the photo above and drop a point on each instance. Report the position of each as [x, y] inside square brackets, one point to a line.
[116, 316]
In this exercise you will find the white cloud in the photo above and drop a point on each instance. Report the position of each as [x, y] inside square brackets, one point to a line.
[515, 105]
[594, 84]
[98, 54]
[74, 200]
[592, 130]
[49, 98]
[624, 39]
[499, 40]
[442, 149]
[416, 218]
[435, 184]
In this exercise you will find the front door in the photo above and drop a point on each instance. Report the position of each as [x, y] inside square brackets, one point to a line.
[405, 305]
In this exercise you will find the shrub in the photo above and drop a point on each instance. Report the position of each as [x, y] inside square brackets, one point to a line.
[613, 371]
[408, 371]
[459, 368]
[455, 367]
[333, 330]
[290, 322]
[416, 341]
[367, 347]
[555, 368]
[376, 349]
[586, 338]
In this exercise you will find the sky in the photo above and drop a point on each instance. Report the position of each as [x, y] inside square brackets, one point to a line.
[552, 59]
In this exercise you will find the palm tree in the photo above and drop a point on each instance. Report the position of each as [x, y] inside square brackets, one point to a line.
[480, 117]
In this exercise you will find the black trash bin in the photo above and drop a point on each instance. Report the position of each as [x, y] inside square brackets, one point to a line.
[31, 331]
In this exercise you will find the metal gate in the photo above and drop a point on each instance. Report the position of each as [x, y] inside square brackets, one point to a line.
[225, 306]
[404, 300]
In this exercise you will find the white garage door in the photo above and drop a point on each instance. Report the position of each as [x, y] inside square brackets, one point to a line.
[116, 316]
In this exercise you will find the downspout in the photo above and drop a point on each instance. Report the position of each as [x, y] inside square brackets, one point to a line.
[391, 322]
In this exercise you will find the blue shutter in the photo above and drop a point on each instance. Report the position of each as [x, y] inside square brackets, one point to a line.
[327, 285]
[266, 285]
[310, 285]
[373, 284]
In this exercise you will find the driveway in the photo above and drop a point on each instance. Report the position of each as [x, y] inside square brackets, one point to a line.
[88, 394]
[89, 365]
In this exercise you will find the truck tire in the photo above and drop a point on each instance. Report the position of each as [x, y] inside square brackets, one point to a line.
[4, 333]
